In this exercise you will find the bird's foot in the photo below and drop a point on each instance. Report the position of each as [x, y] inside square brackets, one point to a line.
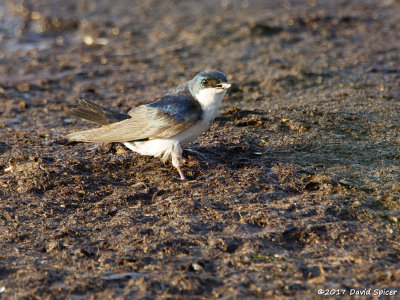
[196, 152]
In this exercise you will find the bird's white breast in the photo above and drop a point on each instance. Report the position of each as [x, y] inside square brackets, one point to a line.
[210, 100]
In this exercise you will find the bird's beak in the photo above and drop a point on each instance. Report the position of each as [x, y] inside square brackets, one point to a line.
[224, 85]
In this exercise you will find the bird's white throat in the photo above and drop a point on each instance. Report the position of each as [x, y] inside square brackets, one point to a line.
[210, 97]
[210, 100]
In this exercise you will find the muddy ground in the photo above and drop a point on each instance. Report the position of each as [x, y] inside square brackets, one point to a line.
[297, 188]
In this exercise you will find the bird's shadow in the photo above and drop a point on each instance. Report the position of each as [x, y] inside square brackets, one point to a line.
[4, 147]
[233, 156]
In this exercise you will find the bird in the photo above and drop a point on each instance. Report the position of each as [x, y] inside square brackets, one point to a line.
[159, 128]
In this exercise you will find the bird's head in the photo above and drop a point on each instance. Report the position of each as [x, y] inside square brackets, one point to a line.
[211, 83]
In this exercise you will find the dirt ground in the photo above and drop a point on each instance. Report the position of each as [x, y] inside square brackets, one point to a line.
[295, 193]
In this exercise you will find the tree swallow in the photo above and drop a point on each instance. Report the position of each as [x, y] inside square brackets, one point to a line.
[159, 128]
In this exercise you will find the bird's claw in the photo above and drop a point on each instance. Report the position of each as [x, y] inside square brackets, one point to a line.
[196, 152]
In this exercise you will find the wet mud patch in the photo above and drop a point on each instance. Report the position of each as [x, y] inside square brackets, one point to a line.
[294, 188]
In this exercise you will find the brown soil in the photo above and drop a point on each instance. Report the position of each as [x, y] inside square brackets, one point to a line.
[297, 188]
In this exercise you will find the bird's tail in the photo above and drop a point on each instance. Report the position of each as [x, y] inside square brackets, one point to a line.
[95, 113]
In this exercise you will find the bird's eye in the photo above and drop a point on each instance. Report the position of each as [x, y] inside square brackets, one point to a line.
[204, 82]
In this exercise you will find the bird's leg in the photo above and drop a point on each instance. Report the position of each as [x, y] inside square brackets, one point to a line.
[183, 177]
[176, 157]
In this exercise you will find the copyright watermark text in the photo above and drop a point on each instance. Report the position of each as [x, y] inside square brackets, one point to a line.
[358, 292]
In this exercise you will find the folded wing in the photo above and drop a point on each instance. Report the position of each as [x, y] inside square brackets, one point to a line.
[162, 118]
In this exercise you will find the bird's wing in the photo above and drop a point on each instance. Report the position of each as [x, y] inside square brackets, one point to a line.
[162, 118]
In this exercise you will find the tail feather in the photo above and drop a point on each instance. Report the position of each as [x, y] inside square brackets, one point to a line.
[97, 114]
